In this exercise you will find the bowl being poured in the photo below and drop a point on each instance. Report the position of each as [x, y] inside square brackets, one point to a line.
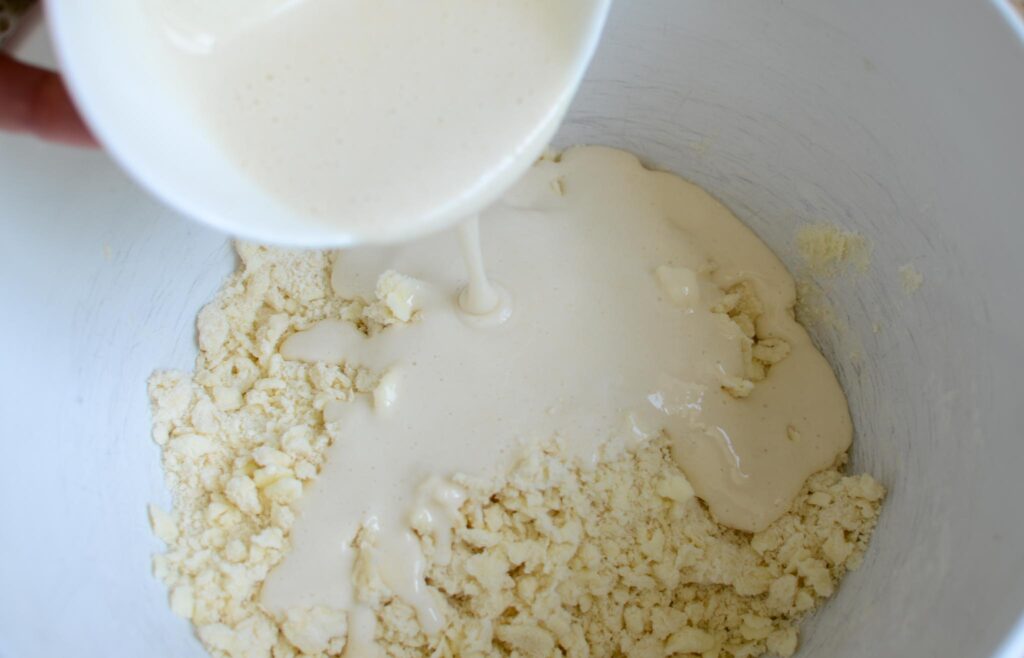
[320, 123]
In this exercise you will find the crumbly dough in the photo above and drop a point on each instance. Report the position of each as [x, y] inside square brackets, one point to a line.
[740, 304]
[240, 436]
[760, 353]
[550, 559]
[623, 560]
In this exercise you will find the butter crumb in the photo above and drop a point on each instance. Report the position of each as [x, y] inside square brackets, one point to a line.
[182, 601]
[385, 394]
[397, 295]
[163, 524]
[741, 304]
[316, 630]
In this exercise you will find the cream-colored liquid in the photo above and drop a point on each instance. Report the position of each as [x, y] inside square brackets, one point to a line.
[344, 110]
[481, 301]
[601, 349]
[593, 323]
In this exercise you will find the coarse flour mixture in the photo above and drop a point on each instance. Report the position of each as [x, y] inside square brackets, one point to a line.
[659, 540]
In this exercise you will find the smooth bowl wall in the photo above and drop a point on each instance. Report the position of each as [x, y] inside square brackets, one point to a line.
[899, 120]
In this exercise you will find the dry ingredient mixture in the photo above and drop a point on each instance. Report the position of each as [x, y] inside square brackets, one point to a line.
[828, 254]
[548, 558]
[827, 249]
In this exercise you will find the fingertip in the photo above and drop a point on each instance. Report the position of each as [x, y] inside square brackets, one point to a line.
[53, 114]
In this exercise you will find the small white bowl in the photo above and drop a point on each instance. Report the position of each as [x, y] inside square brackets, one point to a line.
[110, 52]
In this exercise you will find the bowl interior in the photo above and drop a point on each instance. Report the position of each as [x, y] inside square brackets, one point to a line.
[860, 115]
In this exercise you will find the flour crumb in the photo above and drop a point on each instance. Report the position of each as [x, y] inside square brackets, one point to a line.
[826, 250]
[911, 278]
[316, 630]
[760, 351]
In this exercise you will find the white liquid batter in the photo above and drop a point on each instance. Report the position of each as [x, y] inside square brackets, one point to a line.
[613, 272]
[482, 301]
[386, 118]
[607, 320]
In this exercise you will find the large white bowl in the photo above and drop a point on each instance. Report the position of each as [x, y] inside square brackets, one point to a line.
[900, 119]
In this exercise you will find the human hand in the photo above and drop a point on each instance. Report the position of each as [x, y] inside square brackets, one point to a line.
[35, 101]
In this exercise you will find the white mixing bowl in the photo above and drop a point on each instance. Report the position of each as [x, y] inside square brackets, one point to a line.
[899, 119]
